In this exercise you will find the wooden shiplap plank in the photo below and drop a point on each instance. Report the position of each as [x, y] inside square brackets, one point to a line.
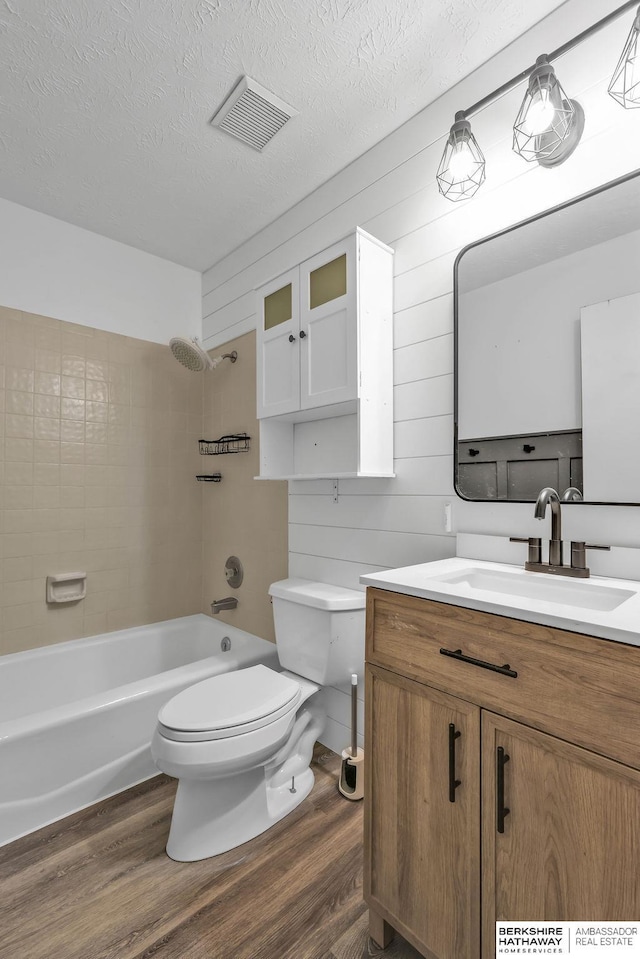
[435, 395]
[384, 549]
[430, 436]
[423, 321]
[409, 514]
[414, 476]
[422, 360]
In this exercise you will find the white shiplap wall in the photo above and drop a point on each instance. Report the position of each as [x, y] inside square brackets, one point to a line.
[391, 193]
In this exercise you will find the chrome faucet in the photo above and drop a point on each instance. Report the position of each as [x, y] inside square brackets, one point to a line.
[549, 497]
[229, 602]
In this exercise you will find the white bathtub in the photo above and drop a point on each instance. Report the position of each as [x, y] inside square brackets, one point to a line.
[76, 718]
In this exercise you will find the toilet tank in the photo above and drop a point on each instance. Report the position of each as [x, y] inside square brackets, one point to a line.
[319, 629]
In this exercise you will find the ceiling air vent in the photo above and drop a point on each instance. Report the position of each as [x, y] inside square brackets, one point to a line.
[252, 114]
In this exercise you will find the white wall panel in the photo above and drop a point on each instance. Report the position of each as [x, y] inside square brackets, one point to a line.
[423, 321]
[410, 400]
[337, 571]
[423, 359]
[410, 514]
[369, 547]
[414, 476]
[431, 436]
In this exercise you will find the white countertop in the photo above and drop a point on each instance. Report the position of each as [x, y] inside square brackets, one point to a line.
[429, 581]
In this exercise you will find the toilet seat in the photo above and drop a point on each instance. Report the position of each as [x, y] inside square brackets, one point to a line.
[229, 705]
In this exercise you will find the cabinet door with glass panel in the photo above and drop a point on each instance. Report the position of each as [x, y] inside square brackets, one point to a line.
[328, 326]
[278, 368]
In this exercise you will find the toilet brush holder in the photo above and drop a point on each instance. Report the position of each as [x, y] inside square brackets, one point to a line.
[351, 783]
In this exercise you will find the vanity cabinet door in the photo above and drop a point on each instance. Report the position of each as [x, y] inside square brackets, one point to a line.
[422, 870]
[569, 849]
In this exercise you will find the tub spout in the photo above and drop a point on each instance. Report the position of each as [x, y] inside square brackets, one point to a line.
[229, 602]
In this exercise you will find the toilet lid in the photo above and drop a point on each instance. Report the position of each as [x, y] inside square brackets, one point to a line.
[237, 699]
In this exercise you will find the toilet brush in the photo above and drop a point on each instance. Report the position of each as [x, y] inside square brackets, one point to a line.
[351, 783]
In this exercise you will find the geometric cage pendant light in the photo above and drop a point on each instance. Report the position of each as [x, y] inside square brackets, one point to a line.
[462, 168]
[625, 83]
[549, 125]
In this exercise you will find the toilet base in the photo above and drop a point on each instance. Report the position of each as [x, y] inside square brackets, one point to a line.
[212, 816]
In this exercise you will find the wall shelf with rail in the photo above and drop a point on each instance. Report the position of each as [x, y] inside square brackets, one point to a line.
[232, 443]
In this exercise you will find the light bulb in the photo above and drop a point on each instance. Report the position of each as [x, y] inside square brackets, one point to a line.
[540, 115]
[549, 125]
[462, 163]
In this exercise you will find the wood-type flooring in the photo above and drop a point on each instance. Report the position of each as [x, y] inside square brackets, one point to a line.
[99, 885]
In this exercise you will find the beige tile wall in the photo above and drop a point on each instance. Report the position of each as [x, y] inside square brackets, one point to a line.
[243, 517]
[98, 456]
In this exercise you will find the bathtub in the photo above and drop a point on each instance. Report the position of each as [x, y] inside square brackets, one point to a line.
[76, 718]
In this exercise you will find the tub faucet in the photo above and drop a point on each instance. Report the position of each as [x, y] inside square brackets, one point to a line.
[549, 497]
[229, 602]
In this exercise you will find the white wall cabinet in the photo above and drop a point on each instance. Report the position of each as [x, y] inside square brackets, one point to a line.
[325, 364]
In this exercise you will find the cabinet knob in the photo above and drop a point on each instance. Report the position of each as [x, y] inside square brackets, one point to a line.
[302, 334]
[291, 338]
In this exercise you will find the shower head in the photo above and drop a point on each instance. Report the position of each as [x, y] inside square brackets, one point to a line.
[194, 357]
[190, 354]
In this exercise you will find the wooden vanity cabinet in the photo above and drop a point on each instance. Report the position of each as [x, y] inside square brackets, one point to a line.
[544, 774]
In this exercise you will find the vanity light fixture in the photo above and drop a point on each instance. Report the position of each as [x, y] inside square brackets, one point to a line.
[549, 125]
[462, 168]
[625, 83]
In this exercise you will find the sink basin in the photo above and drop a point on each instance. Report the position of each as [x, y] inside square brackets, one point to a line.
[546, 588]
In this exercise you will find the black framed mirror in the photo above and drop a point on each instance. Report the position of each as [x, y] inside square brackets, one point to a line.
[547, 354]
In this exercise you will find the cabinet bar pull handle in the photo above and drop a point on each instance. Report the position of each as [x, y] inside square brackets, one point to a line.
[502, 811]
[458, 654]
[453, 782]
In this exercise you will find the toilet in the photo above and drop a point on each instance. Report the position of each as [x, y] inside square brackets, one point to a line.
[241, 743]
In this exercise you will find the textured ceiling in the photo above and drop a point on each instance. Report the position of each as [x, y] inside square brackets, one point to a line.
[105, 104]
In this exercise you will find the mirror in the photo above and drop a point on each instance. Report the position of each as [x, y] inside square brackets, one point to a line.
[547, 354]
